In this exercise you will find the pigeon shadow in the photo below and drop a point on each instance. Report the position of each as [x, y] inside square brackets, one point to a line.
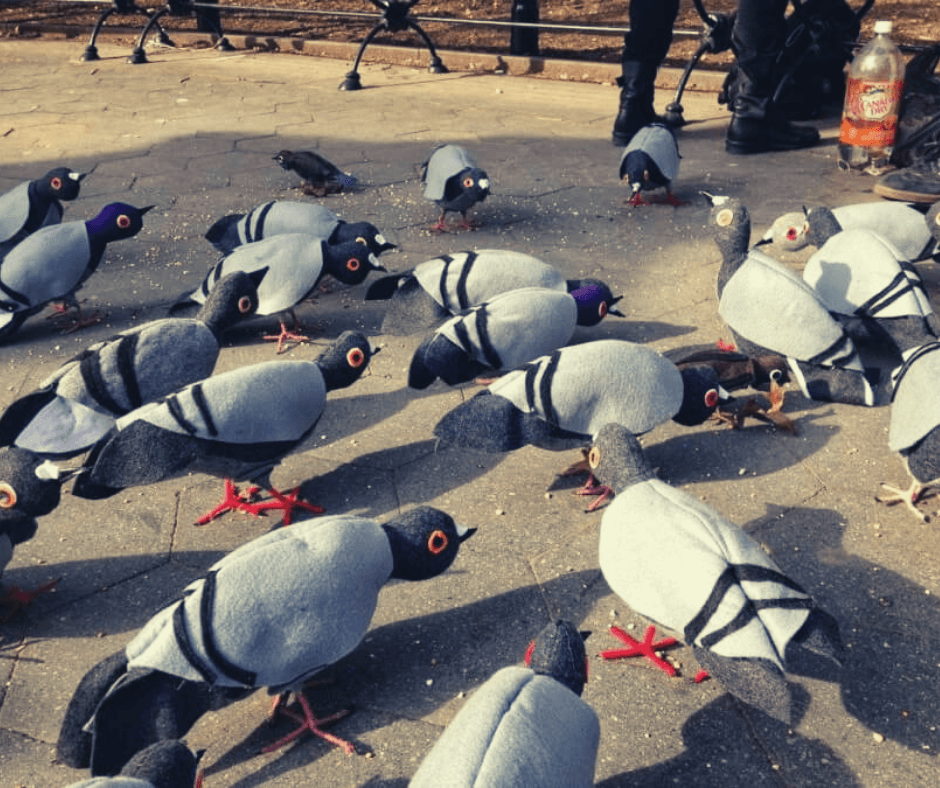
[715, 756]
[890, 681]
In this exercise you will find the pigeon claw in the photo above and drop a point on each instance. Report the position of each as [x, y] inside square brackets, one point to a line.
[16, 600]
[909, 497]
[646, 649]
[234, 501]
[286, 335]
[310, 723]
[287, 502]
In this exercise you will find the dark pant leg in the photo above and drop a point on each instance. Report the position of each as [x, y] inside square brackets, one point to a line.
[650, 33]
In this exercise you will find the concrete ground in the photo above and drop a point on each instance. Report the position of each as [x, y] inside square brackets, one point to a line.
[193, 133]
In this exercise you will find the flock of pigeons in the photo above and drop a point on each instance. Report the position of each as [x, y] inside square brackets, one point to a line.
[144, 406]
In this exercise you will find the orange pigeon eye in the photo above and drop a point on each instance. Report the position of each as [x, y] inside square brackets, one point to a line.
[124, 221]
[467, 183]
[7, 496]
[56, 183]
[244, 305]
[437, 542]
[361, 240]
[352, 264]
[711, 398]
[602, 309]
[356, 358]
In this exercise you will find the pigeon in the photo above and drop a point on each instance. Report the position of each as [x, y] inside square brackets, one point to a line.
[277, 218]
[438, 289]
[504, 333]
[651, 161]
[525, 726]
[914, 430]
[34, 204]
[771, 310]
[238, 425]
[54, 262]
[75, 406]
[870, 288]
[713, 585]
[29, 488]
[453, 180]
[273, 613]
[165, 764]
[288, 269]
[560, 401]
[900, 223]
[320, 177]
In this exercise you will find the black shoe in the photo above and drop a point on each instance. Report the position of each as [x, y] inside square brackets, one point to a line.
[752, 133]
[920, 183]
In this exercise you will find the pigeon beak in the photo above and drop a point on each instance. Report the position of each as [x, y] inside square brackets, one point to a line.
[464, 533]
[484, 183]
[615, 312]
[764, 240]
[77, 176]
[723, 394]
[585, 634]
[142, 211]
[373, 352]
[716, 199]
[374, 261]
[65, 476]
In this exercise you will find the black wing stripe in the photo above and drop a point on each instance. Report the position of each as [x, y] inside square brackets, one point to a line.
[462, 298]
[227, 668]
[200, 399]
[127, 347]
[186, 645]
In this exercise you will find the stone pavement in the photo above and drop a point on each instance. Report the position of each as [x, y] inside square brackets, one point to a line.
[193, 133]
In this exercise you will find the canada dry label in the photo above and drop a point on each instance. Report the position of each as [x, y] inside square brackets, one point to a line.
[870, 119]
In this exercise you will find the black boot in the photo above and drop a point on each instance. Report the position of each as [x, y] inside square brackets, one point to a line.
[637, 86]
[756, 126]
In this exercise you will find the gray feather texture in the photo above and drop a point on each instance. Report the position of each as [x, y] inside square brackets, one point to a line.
[518, 729]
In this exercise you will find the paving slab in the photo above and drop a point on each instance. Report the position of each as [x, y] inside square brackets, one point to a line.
[193, 132]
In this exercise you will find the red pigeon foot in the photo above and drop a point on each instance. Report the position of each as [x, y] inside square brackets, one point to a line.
[591, 487]
[234, 501]
[645, 649]
[310, 723]
[18, 600]
[671, 199]
[722, 345]
[637, 200]
[287, 502]
[286, 335]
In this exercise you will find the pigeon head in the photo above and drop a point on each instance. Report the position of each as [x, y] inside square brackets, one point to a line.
[789, 232]
[933, 220]
[558, 651]
[343, 362]
[29, 484]
[62, 183]
[362, 233]
[701, 394]
[821, 225]
[424, 543]
[617, 460]
[469, 186]
[117, 221]
[284, 158]
[636, 169]
[730, 224]
[595, 302]
[234, 298]
[166, 764]
[350, 262]
[592, 303]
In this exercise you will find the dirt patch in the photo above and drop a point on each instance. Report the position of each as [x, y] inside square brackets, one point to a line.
[917, 22]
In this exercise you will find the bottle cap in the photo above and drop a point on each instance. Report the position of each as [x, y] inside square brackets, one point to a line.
[883, 27]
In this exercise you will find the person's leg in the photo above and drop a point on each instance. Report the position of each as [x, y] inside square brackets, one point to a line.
[644, 48]
[756, 126]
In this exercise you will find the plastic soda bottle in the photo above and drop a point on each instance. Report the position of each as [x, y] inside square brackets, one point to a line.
[872, 100]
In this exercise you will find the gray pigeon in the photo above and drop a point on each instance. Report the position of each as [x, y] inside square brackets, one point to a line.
[720, 593]
[238, 425]
[769, 309]
[74, 407]
[453, 180]
[900, 223]
[278, 218]
[287, 269]
[273, 613]
[651, 161]
[34, 204]
[914, 430]
[503, 333]
[872, 290]
[166, 764]
[54, 262]
[525, 726]
[560, 401]
[444, 286]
